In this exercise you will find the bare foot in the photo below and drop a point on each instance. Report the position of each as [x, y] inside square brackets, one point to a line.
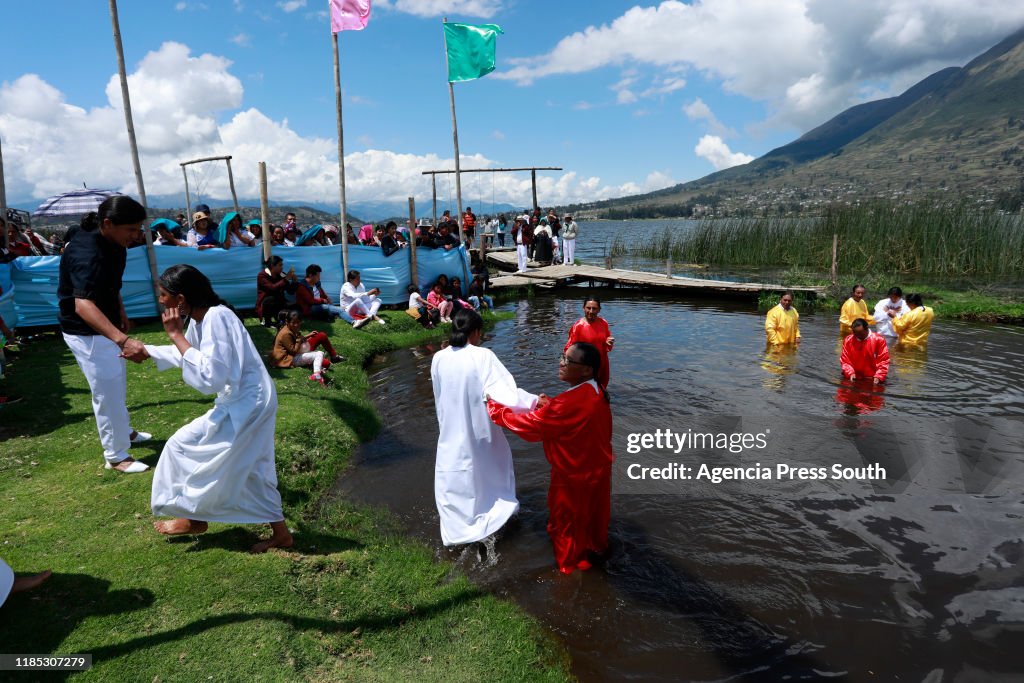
[27, 583]
[180, 526]
[281, 538]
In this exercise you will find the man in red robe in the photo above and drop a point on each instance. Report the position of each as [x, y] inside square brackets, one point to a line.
[865, 354]
[576, 428]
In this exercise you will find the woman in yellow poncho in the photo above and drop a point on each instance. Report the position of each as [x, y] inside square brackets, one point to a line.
[915, 326]
[854, 308]
[783, 322]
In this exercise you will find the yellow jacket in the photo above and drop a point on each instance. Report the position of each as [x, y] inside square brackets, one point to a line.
[914, 327]
[852, 310]
[782, 326]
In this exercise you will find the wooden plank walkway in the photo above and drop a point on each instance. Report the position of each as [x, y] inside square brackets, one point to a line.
[560, 276]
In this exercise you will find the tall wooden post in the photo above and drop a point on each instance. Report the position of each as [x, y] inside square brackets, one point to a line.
[3, 195]
[835, 254]
[533, 181]
[264, 211]
[341, 158]
[231, 183]
[433, 187]
[151, 255]
[414, 273]
[188, 200]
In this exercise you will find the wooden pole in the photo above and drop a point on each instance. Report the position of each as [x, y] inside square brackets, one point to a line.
[414, 273]
[188, 200]
[668, 267]
[835, 254]
[231, 182]
[533, 181]
[150, 253]
[455, 139]
[433, 187]
[264, 211]
[341, 158]
[3, 195]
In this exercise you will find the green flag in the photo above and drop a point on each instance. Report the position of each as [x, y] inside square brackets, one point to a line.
[470, 50]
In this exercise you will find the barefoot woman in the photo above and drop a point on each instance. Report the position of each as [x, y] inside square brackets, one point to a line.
[220, 466]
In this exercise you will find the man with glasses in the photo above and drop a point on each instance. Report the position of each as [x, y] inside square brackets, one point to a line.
[576, 429]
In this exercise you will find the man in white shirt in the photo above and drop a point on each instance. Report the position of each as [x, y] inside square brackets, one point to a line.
[362, 305]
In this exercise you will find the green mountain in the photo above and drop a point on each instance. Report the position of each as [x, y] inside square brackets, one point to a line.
[959, 131]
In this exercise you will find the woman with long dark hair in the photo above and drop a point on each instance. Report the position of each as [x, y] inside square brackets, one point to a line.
[219, 467]
[95, 325]
[593, 329]
[474, 484]
[271, 285]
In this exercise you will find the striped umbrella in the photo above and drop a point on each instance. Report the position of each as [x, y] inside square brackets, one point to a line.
[74, 203]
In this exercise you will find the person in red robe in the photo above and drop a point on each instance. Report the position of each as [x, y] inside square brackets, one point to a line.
[576, 429]
[864, 354]
[593, 329]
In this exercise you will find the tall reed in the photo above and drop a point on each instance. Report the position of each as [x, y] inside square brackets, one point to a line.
[927, 238]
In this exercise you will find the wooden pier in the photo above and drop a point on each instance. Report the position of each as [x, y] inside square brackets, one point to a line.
[550, 277]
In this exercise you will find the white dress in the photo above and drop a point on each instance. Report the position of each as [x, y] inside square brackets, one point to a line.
[474, 484]
[220, 466]
[883, 323]
[6, 582]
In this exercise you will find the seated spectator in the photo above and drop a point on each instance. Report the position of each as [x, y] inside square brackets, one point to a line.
[445, 240]
[477, 298]
[389, 242]
[437, 299]
[292, 349]
[421, 309]
[255, 228]
[201, 236]
[214, 225]
[163, 235]
[427, 237]
[350, 235]
[232, 234]
[455, 291]
[277, 238]
[362, 305]
[313, 237]
[313, 301]
[331, 235]
[271, 286]
[366, 234]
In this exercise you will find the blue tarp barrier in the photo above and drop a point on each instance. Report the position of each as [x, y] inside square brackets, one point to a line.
[233, 274]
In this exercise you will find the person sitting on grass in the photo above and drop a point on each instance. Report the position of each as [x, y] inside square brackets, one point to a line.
[455, 292]
[313, 301]
[220, 466]
[437, 299]
[477, 298]
[292, 349]
[427, 313]
[359, 303]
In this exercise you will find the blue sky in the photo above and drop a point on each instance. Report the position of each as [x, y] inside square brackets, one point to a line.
[626, 98]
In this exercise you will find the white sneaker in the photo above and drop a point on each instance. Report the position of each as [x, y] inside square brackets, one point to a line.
[359, 323]
[141, 437]
[134, 468]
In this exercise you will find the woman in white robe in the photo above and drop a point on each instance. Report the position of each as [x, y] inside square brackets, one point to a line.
[220, 466]
[474, 483]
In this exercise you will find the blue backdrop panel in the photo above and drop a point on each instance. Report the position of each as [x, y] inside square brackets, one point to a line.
[31, 281]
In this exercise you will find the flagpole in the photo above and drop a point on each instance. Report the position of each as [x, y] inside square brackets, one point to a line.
[3, 195]
[455, 139]
[341, 157]
[150, 253]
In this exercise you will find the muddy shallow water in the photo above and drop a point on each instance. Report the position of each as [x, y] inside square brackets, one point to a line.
[917, 576]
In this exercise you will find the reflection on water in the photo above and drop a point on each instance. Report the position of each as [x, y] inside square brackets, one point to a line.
[913, 576]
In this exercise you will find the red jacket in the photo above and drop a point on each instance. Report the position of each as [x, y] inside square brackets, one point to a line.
[304, 297]
[868, 358]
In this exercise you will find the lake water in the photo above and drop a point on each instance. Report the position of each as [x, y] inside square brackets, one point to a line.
[915, 577]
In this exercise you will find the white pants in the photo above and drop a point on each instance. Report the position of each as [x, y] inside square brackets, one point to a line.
[314, 358]
[107, 375]
[521, 252]
[568, 251]
[359, 307]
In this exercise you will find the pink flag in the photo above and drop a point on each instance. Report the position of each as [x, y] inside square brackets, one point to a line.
[349, 15]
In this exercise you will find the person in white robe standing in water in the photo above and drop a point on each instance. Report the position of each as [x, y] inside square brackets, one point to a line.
[474, 484]
[220, 466]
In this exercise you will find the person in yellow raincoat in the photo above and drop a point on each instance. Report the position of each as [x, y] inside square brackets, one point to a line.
[914, 327]
[783, 322]
[854, 308]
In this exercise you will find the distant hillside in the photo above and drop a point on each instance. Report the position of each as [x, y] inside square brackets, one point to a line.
[959, 131]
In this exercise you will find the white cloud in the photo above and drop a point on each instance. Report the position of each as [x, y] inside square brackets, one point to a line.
[436, 8]
[497, 135]
[241, 40]
[195, 6]
[291, 5]
[714, 149]
[699, 111]
[188, 106]
[806, 59]
[181, 6]
[582, 105]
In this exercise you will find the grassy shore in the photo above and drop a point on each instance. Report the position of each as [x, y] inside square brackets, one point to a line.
[353, 600]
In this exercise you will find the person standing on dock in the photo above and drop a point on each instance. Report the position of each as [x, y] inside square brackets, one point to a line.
[593, 329]
[865, 354]
[783, 322]
[570, 231]
[522, 236]
[576, 429]
[914, 327]
[888, 309]
[854, 308]
[474, 482]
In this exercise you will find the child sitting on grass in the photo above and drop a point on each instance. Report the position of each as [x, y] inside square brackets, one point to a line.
[293, 349]
[427, 313]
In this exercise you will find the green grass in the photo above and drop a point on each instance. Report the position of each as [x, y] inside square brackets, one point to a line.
[354, 600]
